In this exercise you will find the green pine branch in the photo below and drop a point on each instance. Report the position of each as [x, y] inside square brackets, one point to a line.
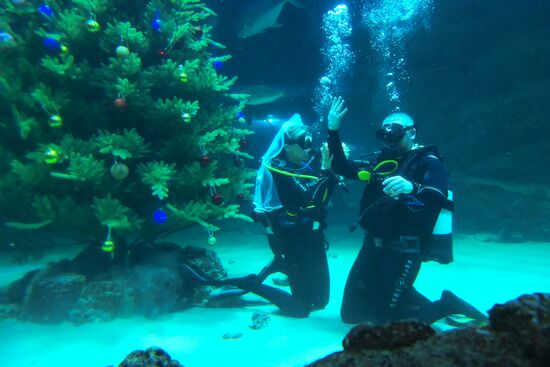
[207, 79]
[174, 109]
[111, 213]
[58, 65]
[128, 144]
[157, 175]
[86, 168]
[71, 24]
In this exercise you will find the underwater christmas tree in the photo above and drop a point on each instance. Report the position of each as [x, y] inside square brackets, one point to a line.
[115, 123]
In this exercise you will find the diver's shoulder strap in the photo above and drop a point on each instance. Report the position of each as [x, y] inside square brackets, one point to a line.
[412, 161]
[430, 151]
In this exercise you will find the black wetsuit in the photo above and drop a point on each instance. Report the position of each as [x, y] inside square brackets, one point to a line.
[295, 235]
[380, 284]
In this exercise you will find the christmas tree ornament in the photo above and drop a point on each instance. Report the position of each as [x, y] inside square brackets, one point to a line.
[212, 240]
[6, 39]
[122, 51]
[183, 77]
[51, 156]
[92, 26]
[217, 199]
[218, 65]
[108, 246]
[119, 171]
[160, 216]
[237, 161]
[52, 45]
[240, 197]
[55, 121]
[240, 118]
[157, 23]
[186, 117]
[205, 160]
[45, 10]
[120, 103]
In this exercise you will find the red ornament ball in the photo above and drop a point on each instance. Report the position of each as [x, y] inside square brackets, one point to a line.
[205, 160]
[217, 199]
[120, 103]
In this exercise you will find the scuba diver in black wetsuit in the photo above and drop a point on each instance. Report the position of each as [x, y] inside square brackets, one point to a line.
[402, 211]
[290, 196]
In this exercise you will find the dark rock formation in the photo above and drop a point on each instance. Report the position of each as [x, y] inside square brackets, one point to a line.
[151, 357]
[50, 297]
[518, 335]
[528, 319]
[398, 335]
[149, 281]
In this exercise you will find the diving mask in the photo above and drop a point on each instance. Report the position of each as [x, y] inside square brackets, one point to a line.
[392, 134]
[305, 141]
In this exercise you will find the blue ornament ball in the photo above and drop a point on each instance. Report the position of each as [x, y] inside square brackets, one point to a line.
[156, 24]
[160, 216]
[45, 10]
[52, 45]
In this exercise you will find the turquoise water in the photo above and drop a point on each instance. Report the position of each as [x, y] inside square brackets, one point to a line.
[87, 112]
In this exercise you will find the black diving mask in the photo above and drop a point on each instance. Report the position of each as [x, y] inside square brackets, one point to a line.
[392, 134]
[305, 141]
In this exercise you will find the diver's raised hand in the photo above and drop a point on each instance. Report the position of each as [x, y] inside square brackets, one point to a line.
[326, 158]
[336, 113]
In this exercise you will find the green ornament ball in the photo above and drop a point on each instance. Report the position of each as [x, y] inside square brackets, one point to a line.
[92, 26]
[122, 51]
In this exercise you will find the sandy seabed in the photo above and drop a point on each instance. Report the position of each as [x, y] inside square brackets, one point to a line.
[484, 273]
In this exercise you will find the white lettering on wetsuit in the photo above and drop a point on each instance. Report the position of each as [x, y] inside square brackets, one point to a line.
[401, 284]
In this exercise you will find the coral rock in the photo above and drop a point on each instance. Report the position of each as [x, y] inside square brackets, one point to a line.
[528, 320]
[50, 297]
[519, 336]
[392, 336]
[151, 357]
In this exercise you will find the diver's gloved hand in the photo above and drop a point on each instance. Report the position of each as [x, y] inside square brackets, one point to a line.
[336, 113]
[326, 158]
[397, 185]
